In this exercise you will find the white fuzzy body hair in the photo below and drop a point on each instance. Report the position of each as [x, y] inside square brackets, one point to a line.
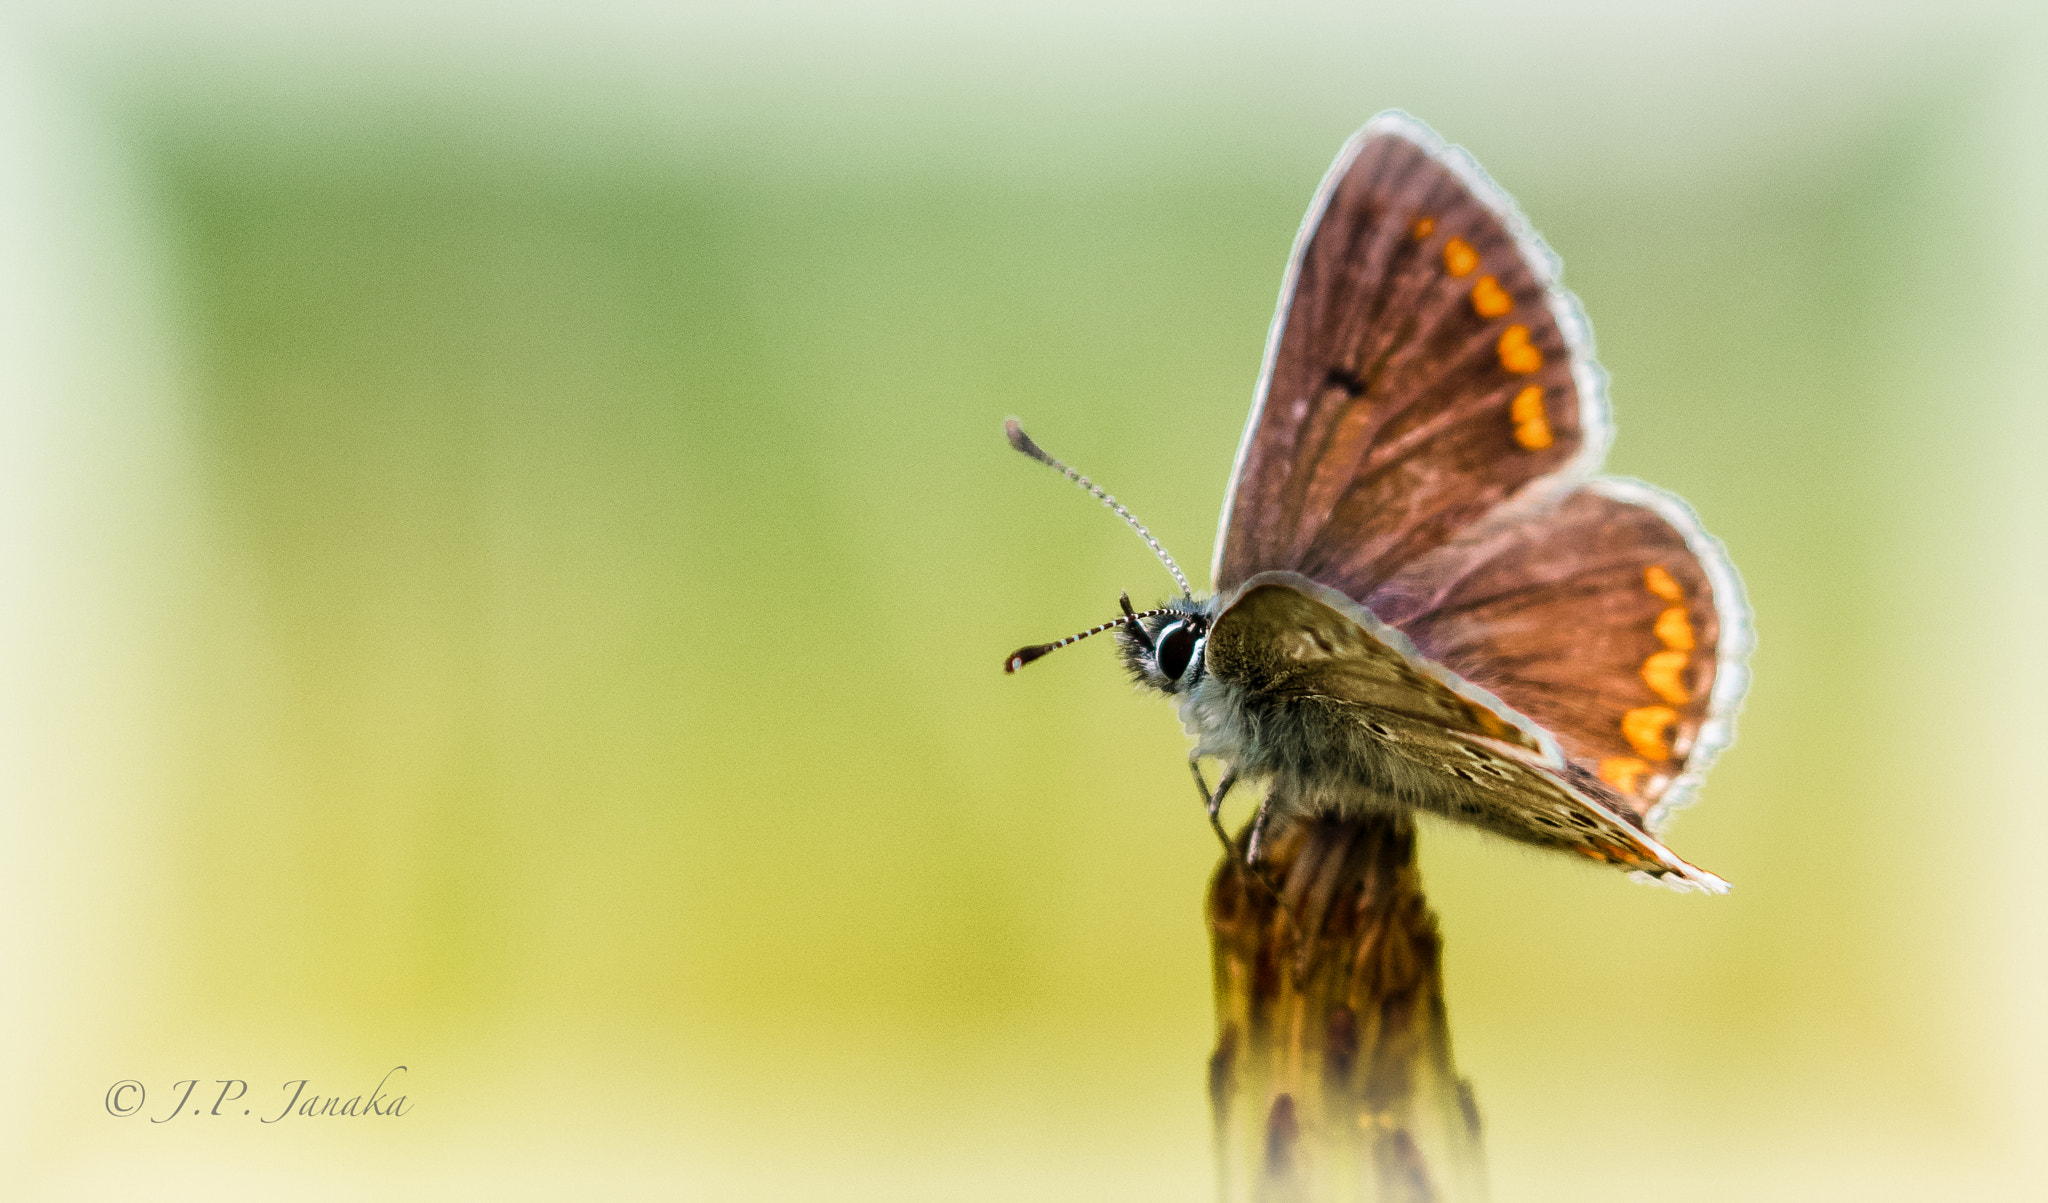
[1314, 762]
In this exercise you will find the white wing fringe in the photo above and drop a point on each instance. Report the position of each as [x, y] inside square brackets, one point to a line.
[1686, 881]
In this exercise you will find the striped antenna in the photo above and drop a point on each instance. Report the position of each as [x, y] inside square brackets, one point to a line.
[1023, 443]
[1025, 655]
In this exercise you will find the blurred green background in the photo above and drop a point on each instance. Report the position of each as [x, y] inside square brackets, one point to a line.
[508, 548]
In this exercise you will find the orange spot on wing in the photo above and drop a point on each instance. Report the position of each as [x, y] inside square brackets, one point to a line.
[1623, 772]
[1532, 424]
[1516, 354]
[1674, 628]
[1422, 227]
[1659, 582]
[1459, 257]
[1644, 729]
[1489, 299]
[1661, 673]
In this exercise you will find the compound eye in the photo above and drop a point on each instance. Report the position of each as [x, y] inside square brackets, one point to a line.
[1176, 646]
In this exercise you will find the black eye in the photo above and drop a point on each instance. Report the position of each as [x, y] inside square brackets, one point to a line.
[1176, 646]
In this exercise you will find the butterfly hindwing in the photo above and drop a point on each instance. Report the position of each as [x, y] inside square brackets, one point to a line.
[1608, 618]
[1422, 369]
[1347, 714]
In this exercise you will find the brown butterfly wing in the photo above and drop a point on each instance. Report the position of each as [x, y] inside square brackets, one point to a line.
[1374, 721]
[1422, 369]
[1609, 618]
[1279, 638]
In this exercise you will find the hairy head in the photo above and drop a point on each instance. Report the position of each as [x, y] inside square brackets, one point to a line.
[1162, 649]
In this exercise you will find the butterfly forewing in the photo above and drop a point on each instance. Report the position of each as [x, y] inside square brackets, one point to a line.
[1422, 369]
[1276, 639]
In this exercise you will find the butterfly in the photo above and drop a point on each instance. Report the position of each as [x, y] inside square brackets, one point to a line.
[1425, 599]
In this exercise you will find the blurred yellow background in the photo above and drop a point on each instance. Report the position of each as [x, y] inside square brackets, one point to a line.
[508, 547]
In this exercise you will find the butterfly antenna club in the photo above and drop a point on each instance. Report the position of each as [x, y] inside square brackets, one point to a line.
[1023, 443]
[1025, 655]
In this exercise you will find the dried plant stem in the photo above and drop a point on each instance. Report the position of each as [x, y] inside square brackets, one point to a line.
[1332, 1079]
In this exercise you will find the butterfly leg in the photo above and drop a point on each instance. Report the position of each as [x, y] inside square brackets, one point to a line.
[1259, 821]
[1214, 802]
